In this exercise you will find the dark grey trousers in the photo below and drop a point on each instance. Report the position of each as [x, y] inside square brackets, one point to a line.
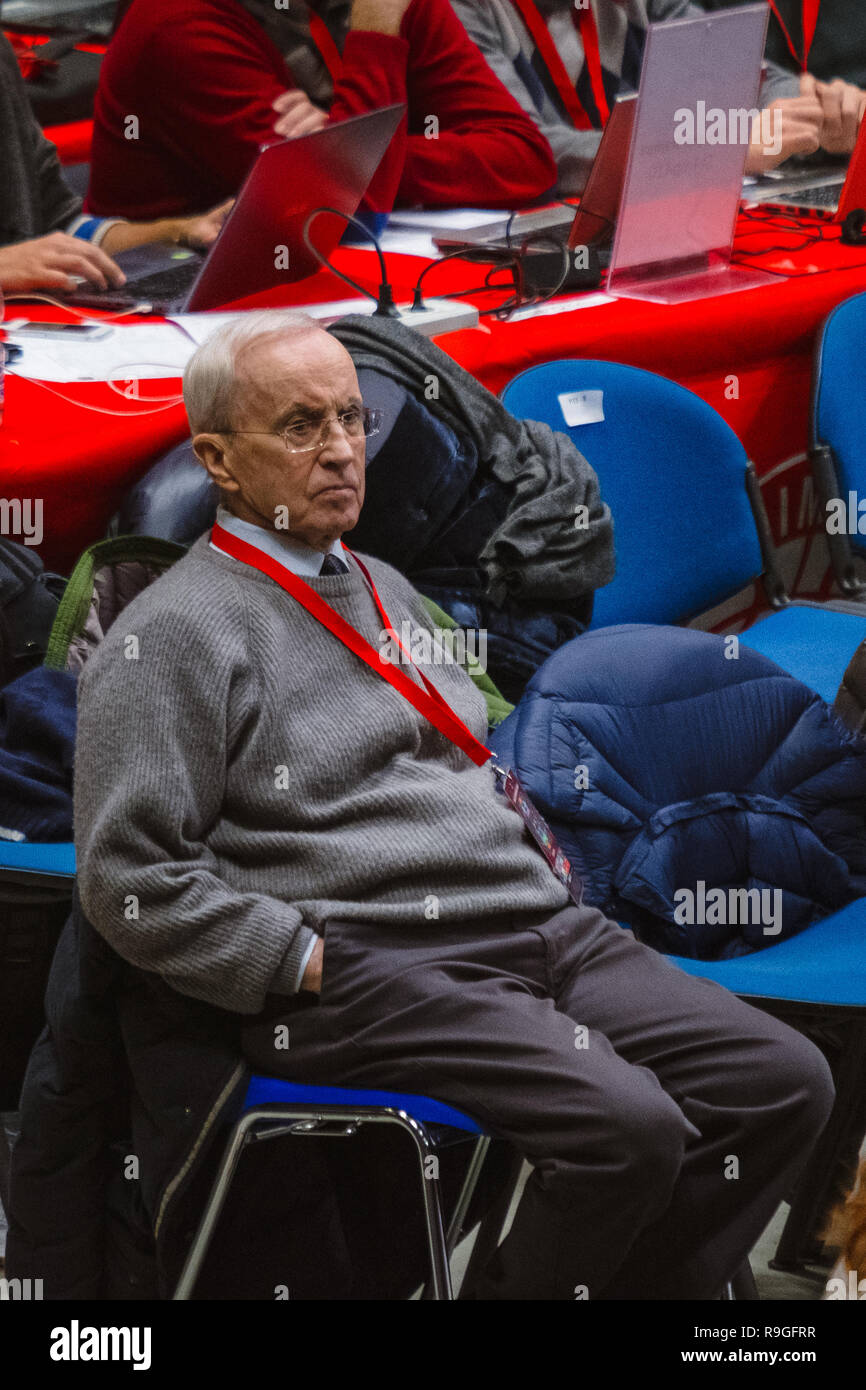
[664, 1119]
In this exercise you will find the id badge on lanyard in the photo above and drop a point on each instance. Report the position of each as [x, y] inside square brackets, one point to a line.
[540, 831]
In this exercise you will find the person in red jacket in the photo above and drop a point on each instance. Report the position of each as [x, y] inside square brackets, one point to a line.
[190, 88]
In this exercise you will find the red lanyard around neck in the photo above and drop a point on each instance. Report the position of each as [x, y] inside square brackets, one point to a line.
[428, 701]
[809, 18]
[328, 50]
[584, 22]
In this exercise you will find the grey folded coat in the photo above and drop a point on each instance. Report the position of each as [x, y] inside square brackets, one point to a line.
[537, 550]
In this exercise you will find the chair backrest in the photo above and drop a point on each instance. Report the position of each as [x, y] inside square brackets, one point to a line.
[673, 474]
[838, 393]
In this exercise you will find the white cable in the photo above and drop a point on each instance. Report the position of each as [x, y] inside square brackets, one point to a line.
[143, 306]
[101, 410]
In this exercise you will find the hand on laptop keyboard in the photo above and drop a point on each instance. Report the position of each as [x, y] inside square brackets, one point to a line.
[788, 126]
[57, 262]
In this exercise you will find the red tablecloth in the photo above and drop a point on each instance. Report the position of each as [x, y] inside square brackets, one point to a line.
[748, 354]
[73, 141]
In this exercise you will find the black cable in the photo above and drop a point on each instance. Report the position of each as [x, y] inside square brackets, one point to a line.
[772, 223]
[477, 289]
[786, 222]
[554, 243]
[519, 298]
[599, 216]
[384, 301]
[465, 252]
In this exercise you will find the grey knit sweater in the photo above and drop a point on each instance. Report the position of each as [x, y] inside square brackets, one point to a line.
[241, 777]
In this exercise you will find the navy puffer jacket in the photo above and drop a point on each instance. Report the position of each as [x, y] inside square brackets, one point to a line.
[673, 763]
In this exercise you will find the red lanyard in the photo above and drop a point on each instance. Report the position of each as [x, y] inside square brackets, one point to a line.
[584, 22]
[809, 19]
[428, 701]
[328, 50]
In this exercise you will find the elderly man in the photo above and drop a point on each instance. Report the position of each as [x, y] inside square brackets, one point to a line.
[276, 821]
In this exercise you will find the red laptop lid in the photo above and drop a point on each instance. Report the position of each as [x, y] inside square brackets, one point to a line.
[261, 244]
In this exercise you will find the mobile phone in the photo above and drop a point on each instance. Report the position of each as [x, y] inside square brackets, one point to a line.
[41, 329]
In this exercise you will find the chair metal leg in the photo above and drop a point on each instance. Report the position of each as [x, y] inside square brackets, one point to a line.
[215, 1203]
[743, 1287]
[5, 1160]
[467, 1191]
[338, 1123]
[439, 1287]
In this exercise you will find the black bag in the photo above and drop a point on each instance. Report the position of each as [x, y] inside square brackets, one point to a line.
[29, 597]
[30, 924]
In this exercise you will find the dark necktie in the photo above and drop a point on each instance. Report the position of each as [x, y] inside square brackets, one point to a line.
[332, 565]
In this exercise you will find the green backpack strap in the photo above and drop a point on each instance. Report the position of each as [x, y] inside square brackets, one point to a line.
[78, 596]
[497, 705]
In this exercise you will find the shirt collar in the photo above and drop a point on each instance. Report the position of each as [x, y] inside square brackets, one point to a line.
[298, 558]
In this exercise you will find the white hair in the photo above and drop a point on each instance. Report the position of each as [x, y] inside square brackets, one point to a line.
[210, 378]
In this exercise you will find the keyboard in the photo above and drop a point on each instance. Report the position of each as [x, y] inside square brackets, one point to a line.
[824, 196]
[164, 284]
[167, 286]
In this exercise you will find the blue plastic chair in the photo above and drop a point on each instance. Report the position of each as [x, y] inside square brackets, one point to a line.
[837, 450]
[37, 865]
[689, 526]
[690, 531]
[276, 1109]
[36, 882]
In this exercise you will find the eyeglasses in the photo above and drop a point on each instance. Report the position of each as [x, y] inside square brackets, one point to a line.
[302, 436]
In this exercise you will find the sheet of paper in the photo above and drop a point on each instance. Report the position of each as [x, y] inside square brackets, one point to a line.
[406, 241]
[458, 218]
[127, 352]
[562, 306]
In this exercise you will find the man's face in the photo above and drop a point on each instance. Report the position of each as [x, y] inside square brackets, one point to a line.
[314, 496]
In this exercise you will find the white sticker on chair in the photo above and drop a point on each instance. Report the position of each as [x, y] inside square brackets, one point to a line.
[582, 407]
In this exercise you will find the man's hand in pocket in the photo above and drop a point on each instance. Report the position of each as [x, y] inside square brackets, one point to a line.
[312, 977]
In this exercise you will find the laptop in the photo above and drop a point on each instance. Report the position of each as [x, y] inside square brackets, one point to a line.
[261, 243]
[835, 192]
[599, 205]
[593, 220]
[677, 219]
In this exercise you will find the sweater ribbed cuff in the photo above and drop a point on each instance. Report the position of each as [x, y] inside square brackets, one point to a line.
[287, 979]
